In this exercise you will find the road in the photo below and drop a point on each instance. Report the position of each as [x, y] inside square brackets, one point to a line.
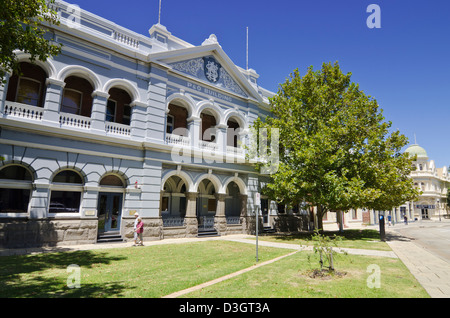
[434, 236]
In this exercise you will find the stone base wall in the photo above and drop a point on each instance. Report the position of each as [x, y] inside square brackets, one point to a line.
[249, 224]
[290, 223]
[24, 233]
[234, 229]
[153, 229]
[21, 233]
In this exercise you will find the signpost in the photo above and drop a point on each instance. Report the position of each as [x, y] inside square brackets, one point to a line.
[257, 203]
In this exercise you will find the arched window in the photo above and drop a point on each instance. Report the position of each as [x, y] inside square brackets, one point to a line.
[15, 189]
[233, 133]
[112, 181]
[177, 120]
[118, 108]
[28, 87]
[67, 187]
[77, 96]
[207, 128]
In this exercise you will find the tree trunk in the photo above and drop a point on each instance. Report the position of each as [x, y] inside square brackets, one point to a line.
[320, 213]
[341, 221]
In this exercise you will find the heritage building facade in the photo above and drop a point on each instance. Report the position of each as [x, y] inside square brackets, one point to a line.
[432, 182]
[120, 123]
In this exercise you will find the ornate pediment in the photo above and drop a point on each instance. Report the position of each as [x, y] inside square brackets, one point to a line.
[208, 69]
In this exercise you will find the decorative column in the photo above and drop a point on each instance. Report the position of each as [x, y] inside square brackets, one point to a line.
[194, 130]
[220, 220]
[156, 103]
[52, 104]
[221, 138]
[138, 122]
[190, 220]
[100, 99]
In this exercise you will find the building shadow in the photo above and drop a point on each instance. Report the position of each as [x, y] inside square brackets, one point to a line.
[25, 233]
[30, 276]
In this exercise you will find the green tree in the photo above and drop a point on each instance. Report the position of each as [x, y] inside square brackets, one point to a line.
[336, 152]
[21, 28]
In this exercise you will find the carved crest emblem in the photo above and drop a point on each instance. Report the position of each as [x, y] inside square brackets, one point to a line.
[212, 69]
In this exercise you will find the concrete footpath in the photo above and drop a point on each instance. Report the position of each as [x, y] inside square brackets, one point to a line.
[432, 272]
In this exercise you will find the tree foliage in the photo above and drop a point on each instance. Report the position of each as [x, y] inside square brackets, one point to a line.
[21, 28]
[336, 151]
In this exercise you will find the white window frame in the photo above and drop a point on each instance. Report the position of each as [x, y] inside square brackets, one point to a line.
[81, 100]
[33, 80]
[17, 184]
[66, 187]
[171, 125]
[115, 111]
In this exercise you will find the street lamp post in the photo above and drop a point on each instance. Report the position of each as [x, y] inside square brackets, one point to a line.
[257, 204]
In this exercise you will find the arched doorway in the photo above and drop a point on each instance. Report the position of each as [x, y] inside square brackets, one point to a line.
[173, 202]
[206, 206]
[110, 203]
[233, 204]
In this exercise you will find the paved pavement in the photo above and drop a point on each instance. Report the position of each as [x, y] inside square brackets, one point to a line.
[428, 265]
[432, 272]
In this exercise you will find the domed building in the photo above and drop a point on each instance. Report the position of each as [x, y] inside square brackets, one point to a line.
[416, 150]
[432, 182]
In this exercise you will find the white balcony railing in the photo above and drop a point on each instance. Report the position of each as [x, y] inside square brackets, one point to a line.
[76, 121]
[235, 150]
[206, 145]
[19, 110]
[178, 140]
[118, 129]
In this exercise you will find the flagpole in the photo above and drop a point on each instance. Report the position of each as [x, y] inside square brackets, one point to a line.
[159, 15]
[247, 50]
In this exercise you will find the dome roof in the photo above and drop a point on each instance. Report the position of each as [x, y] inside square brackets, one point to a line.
[417, 150]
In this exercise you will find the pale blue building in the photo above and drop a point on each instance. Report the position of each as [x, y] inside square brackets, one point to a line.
[122, 123]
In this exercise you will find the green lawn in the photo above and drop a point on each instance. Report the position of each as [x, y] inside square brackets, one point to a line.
[362, 239]
[149, 271]
[156, 271]
[291, 278]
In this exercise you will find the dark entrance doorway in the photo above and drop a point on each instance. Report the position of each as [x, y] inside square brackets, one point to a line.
[109, 212]
[206, 208]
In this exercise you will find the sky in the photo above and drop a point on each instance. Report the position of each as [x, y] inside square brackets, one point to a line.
[404, 64]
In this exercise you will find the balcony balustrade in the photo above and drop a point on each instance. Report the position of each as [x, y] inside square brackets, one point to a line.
[18, 111]
[207, 145]
[24, 111]
[118, 129]
[178, 140]
[75, 121]
[235, 150]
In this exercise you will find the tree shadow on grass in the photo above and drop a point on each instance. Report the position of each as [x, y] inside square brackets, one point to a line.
[350, 234]
[21, 276]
